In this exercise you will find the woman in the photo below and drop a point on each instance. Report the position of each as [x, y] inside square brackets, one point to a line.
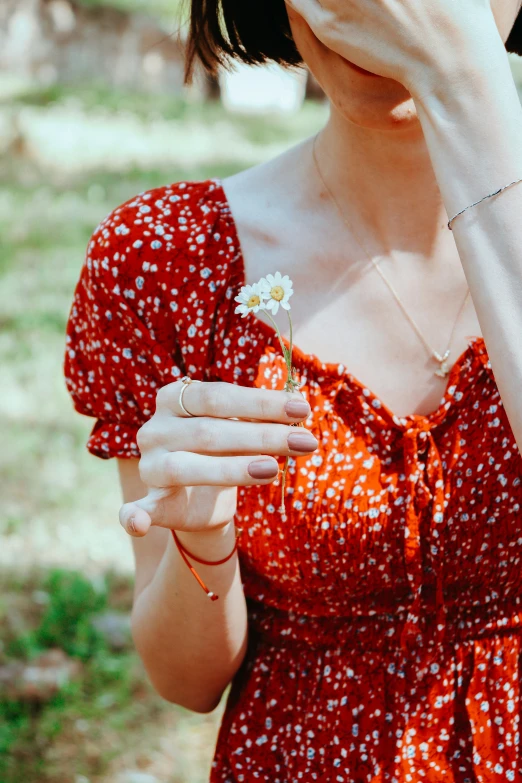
[373, 633]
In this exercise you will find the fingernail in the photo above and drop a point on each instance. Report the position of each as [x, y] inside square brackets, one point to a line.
[263, 468]
[131, 525]
[297, 409]
[302, 441]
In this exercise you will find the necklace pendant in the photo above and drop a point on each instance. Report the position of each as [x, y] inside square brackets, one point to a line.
[443, 370]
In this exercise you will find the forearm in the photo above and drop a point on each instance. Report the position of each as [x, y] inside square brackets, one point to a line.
[191, 647]
[473, 130]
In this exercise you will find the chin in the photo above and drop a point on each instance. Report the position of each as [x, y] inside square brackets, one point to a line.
[358, 96]
[367, 100]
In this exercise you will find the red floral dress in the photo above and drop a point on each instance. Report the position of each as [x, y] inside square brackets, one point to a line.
[385, 611]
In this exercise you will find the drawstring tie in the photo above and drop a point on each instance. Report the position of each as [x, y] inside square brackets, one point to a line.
[425, 483]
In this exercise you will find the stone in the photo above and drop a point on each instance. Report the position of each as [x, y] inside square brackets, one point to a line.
[40, 679]
[115, 627]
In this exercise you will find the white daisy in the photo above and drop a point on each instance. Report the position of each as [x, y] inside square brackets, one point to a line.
[250, 299]
[278, 289]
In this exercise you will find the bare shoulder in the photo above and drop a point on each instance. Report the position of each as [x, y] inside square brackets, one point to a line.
[267, 185]
[266, 202]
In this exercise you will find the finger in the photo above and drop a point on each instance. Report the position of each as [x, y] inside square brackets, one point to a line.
[304, 6]
[134, 520]
[310, 10]
[206, 435]
[185, 469]
[190, 508]
[319, 16]
[228, 400]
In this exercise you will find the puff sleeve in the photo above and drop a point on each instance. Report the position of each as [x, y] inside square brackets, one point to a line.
[141, 312]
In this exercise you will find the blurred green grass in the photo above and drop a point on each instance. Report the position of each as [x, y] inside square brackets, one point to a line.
[60, 504]
[165, 9]
[84, 731]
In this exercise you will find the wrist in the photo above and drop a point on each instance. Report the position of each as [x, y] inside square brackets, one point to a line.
[210, 544]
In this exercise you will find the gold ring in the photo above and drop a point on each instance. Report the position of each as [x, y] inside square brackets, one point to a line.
[186, 381]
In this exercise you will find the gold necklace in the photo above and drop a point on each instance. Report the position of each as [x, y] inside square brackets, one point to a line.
[442, 360]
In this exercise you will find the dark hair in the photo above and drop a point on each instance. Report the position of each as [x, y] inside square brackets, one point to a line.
[514, 41]
[256, 33]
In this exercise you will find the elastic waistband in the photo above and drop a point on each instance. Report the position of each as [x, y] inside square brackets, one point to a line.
[380, 631]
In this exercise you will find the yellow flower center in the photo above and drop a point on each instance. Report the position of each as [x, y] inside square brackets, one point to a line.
[253, 301]
[277, 293]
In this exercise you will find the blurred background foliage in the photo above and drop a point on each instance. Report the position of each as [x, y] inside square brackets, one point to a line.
[163, 9]
[92, 111]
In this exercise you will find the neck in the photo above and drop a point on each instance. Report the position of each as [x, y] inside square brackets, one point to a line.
[384, 183]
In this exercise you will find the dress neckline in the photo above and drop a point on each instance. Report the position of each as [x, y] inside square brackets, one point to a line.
[311, 361]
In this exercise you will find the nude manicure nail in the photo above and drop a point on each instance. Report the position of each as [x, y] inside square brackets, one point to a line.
[302, 441]
[263, 468]
[297, 409]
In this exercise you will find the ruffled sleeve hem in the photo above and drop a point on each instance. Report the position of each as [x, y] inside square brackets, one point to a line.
[113, 439]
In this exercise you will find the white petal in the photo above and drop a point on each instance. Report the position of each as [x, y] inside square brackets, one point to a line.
[270, 279]
[285, 305]
[275, 307]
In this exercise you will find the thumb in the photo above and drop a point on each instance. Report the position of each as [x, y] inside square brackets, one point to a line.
[135, 519]
[138, 516]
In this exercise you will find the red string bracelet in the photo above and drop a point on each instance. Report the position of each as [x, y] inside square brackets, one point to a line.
[184, 552]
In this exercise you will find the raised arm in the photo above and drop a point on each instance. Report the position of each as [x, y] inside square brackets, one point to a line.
[451, 56]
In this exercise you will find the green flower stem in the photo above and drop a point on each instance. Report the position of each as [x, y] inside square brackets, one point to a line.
[290, 322]
[283, 347]
[290, 385]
